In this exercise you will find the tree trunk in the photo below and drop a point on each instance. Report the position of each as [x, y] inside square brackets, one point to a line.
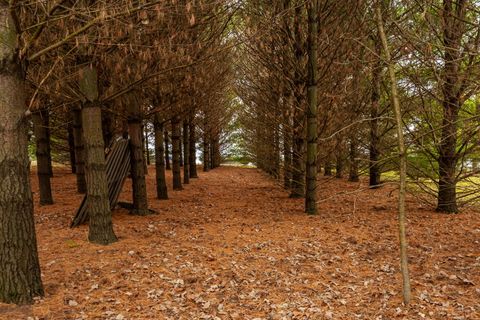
[71, 148]
[40, 128]
[298, 163]
[100, 229]
[353, 172]
[79, 150]
[180, 146]
[147, 148]
[312, 132]
[167, 152]
[339, 158]
[192, 154]
[176, 137]
[206, 154]
[139, 187]
[186, 156]
[374, 148]
[20, 279]
[107, 128]
[447, 160]
[403, 160]
[162, 192]
[328, 168]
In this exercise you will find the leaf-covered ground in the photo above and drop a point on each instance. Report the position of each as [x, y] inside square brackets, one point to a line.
[232, 245]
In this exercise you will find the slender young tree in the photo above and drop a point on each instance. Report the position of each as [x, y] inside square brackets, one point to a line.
[402, 155]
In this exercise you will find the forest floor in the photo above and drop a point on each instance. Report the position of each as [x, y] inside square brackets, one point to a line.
[232, 245]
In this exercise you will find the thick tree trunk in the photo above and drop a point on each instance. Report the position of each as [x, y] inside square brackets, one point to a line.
[162, 192]
[186, 151]
[79, 150]
[312, 132]
[71, 148]
[139, 186]
[100, 226]
[20, 279]
[100, 229]
[374, 148]
[40, 128]
[447, 161]
[176, 137]
[192, 154]
[167, 152]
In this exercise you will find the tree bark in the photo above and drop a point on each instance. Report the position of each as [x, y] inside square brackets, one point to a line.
[176, 137]
[192, 154]
[20, 279]
[40, 128]
[186, 151]
[167, 152]
[147, 148]
[79, 150]
[312, 132]
[162, 192]
[139, 186]
[353, 172]
[447, 161]
[100, 229]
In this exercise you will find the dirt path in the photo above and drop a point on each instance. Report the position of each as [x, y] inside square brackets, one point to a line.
[233, 246]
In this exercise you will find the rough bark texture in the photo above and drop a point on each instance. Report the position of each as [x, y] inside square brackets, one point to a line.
[79, 150]
[100, 229]
[167, 152]
[139, 187]
[312, 132]
[40, 128]
[20, 279]
[176, 142]
[192, 154]
[186, 153]
[162, 192]
[453, 14]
